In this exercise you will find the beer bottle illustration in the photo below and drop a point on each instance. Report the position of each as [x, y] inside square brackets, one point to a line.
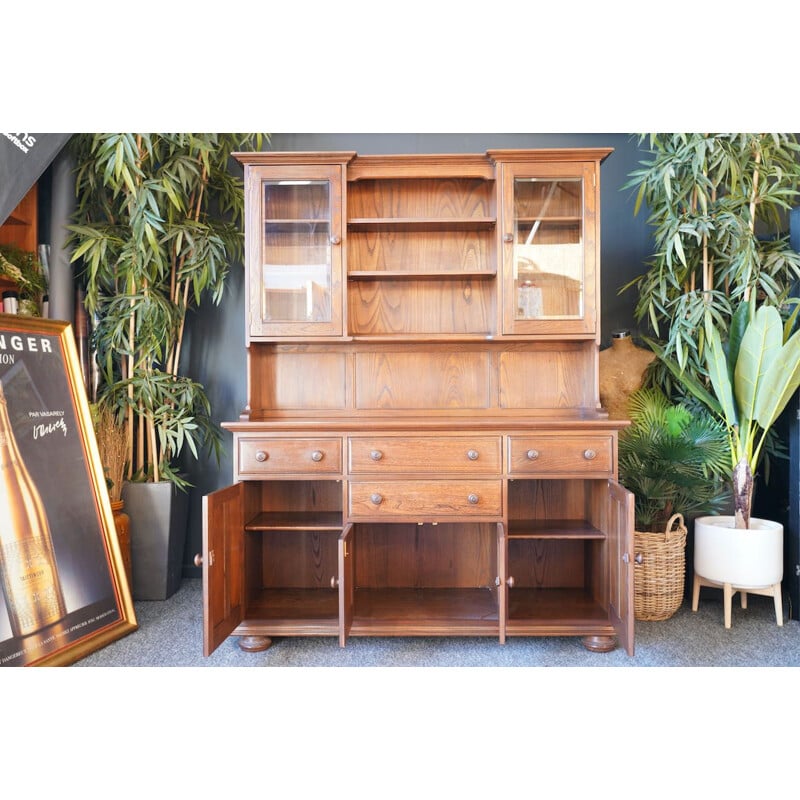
[28, 569]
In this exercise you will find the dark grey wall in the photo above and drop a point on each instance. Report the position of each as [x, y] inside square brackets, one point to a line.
[215, 350]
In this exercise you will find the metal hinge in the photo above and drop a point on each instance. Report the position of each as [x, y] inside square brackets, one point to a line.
[211, 558]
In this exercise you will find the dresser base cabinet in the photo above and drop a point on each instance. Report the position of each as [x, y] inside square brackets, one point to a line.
[309, 572]
[422, 450]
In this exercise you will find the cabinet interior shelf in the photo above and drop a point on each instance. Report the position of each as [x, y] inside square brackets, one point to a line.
[553, 529]
[429, 275]
[296, 521]
[421, 224]
[551, 220]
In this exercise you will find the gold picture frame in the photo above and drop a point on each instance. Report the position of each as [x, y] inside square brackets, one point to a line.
[64, 591]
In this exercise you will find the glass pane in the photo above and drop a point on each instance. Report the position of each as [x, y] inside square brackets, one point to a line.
[296, 251]
[548, 248]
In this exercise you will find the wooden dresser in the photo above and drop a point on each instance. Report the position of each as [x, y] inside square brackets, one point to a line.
[422, 451]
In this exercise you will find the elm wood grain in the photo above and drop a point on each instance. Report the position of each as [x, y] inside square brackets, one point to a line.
[426, 307]
[403, 454]
[261, 455]
[292, 520]
[323, 497]
[514, 175]
[421, 252]
[411, 366]
[258, 244]
[421, 612]
[409, 500]
[541, 378]
[553, 529]
[299, 559]
[450, 199]
[564, 608]
[559, 455]
[548, 563]
[409, 379]
[442, 556]
[223, 565]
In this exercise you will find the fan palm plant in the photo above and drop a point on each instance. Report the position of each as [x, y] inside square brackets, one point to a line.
[673, 459]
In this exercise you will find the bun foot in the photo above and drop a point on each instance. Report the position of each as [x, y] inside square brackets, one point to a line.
[599, 644]
[254, 644]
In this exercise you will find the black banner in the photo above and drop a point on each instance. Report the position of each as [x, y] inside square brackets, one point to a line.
[23, 158]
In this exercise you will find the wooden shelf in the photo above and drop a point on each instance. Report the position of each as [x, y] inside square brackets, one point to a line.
[379, 611]
[553, 529]
[418, 224]
[410, 275]
[554, 607]
[296, 521]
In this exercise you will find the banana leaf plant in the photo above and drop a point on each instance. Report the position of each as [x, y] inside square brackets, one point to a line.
[751, 378]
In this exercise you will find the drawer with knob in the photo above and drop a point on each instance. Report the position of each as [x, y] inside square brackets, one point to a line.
[561, 455]
[258, 457]
[425, 500]
[473, 455]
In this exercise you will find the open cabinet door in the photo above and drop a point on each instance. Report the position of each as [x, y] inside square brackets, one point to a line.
[223, 565]
[619, 531]
[347, 589]
[502, 578]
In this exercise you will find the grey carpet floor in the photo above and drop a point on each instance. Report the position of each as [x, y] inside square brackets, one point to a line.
[170, 635]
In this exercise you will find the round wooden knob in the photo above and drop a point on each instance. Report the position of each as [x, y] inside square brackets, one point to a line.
[473, 499]
[317, 455]
[375, 455]
[376, 498]
[336, 239]
[510, 582]
[198, 560]
[261, 455]
[472, 455]
[589, 454]
[532, 455]
[508, 238]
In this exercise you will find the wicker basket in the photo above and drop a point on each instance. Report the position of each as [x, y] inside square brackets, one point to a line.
[658, 579]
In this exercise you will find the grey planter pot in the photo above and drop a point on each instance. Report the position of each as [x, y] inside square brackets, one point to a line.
[158, 513]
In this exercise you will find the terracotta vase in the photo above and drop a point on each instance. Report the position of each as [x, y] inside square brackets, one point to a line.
[122, 523]
[622, 368]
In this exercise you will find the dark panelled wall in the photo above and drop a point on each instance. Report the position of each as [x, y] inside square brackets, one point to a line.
[215, 349]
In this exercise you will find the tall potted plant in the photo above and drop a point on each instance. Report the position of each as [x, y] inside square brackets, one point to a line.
[156, 226]
[751, 378]
[717, 203]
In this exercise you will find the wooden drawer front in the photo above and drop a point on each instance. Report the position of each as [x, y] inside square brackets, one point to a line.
[258, 456]
[422, 500]
[559, 455]
[468, 454]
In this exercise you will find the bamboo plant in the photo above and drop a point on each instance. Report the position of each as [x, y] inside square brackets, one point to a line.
[156, 227]
[717, 203]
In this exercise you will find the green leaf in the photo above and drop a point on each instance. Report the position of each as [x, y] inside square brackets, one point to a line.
[719, 375]
[779, 383]
[759, 346]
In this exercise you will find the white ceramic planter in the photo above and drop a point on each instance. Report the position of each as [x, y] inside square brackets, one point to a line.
[746, 559]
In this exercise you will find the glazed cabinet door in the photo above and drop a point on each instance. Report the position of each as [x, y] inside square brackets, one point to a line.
[549, 248]
[294, 251]
[223, 565]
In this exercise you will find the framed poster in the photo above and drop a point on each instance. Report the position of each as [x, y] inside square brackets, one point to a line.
[64, 591]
